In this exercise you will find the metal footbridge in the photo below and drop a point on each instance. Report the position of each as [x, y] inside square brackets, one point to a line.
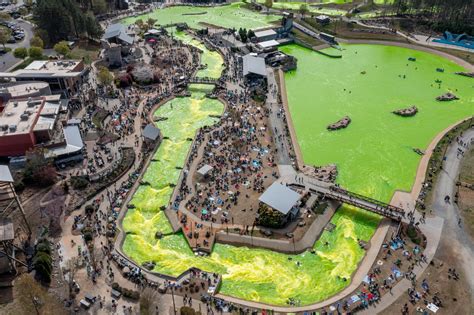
[198, 80]
[359, 201]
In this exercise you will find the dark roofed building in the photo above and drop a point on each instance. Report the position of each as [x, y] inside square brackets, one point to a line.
[151, 132]
[281, 199]
[254, 66]
[117, 43]
[117, 33]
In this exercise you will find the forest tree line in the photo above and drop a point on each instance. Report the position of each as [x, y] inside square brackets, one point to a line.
[456, 16]
[62, 19]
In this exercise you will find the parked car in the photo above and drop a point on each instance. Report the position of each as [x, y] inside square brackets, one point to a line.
[11, 40]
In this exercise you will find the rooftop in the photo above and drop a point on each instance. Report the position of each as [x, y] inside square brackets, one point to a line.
[5, 174]
[254, 64]
[19, 116]
[23, 89]
[73, 142]
[269, 43]
[60, 65]
[118, 31]
[6, 230]
[264, 33]
[26, 115]
[280, 197]
[47, 69]
[151, 132]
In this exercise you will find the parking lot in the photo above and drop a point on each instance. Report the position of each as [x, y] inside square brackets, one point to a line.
[24, 33]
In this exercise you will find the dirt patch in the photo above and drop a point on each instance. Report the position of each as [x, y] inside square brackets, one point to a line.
[454, 294]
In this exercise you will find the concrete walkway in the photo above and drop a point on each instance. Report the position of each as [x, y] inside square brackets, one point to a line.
[444, 223]
[446, 186]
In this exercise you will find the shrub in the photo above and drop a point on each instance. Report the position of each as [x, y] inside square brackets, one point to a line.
[79, 182]
[35, 52]
[42, 261]
[125, 80]
[62, 48]
[20, 52]
[186, 310]
[88, 237]
[116, 287]
[36, 41]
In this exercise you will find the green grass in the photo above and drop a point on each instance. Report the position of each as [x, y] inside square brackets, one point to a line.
[88, 52]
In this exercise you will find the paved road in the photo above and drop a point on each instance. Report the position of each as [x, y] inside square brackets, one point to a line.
[445, 222]
[460, 241]
[276, 123]
[8, 60]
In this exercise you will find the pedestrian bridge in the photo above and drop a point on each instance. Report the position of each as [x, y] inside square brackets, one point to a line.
[210, 81]
[359, 201]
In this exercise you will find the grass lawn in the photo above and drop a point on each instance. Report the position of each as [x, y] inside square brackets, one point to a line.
[85, 50]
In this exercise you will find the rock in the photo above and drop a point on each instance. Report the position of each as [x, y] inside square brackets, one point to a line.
[447, 97]
[340, 124]
[406, 112]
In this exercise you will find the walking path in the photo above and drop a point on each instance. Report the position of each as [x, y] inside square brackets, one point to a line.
[445, 222]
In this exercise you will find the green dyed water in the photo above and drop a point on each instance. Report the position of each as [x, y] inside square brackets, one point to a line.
[253, 274]
[374, 154]
[227, 16]
[212, 59]
[374, 157]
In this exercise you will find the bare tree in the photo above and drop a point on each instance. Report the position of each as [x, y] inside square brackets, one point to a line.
[31, 298]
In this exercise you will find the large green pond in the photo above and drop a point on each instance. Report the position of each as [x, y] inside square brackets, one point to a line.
[227, 16]
[374, 154]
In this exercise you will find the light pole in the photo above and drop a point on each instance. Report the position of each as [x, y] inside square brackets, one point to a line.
[172, 296]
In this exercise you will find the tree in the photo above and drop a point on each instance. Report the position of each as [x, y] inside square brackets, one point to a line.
[31, 298]
[36, 41]
[42, 261]
[139, 23]
[93, 28]
[99, 6]
[63, 18]
[62, 48]
[20, 52]
[105, 76]
[149, 299]
[38, 170]
[5, 16]
[35, 52]
[72, 265]
[5, 35]
[268, 4]
[43, 35]
[250, 34]
[151, 22]
[303, 9]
